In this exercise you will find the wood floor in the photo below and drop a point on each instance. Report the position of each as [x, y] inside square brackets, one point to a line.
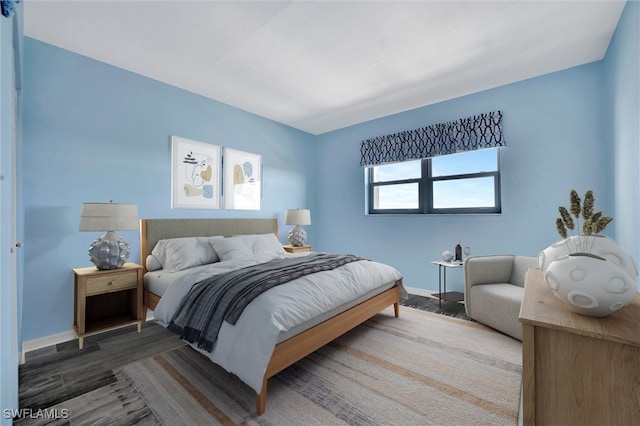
[60, 372]
[56, 374]
[432, 305]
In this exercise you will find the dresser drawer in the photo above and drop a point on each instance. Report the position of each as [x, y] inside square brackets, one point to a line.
[112, 282]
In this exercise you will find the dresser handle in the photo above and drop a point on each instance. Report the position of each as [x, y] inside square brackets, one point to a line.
[110, 283]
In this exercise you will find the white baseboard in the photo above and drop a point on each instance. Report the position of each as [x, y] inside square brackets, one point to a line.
[419, 291]
[54, 339]
[43, 342]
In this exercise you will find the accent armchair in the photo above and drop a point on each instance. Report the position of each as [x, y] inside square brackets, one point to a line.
[493, 290]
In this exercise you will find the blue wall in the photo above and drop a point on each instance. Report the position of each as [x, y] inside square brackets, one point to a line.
[555, 142]
[577, 128]
[622, 110]
[84, 121]
[93, 132]
[10, 118]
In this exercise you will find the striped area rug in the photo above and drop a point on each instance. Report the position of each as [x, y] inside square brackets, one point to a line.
[419, 369]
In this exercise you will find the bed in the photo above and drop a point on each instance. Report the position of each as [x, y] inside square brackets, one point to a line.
[277, 347]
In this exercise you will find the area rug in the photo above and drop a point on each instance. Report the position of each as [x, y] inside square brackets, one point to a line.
[419, 369]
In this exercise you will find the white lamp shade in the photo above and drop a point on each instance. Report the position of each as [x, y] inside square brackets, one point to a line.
[297, 217]
[109, 217]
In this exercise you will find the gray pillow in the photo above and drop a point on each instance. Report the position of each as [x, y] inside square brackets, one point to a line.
[152, 263]
[176, 254]
[247, 245]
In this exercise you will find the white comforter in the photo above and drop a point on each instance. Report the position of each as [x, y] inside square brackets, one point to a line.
[245, 348]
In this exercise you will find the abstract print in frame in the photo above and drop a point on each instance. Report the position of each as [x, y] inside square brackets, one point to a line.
[195, 174]
[242, 180]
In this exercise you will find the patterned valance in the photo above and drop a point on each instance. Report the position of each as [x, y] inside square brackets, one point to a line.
[465, 134]
[8, 7]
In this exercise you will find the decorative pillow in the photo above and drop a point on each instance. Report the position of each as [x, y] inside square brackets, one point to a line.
[152, 263]
[247, 245]
[176, 254]
[204, 243]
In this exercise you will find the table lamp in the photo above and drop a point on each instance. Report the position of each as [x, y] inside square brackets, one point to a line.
[110, 251]
[297, 217]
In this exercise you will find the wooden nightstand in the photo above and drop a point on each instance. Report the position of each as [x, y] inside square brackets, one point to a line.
[291, 249]
[107, 299]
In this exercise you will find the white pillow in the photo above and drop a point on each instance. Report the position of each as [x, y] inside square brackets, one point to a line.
[247, 245]
[176, 254]
[152, 263]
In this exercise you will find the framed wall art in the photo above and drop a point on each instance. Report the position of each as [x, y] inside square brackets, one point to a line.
[242, 180]
[195, 174]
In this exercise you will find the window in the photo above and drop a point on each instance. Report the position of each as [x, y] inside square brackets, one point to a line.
[467, 182]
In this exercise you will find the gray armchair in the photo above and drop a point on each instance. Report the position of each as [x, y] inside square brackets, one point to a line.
[493, 289]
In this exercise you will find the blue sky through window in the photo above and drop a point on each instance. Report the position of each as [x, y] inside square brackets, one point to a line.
[403, 196]
[461, 193]
[483, 160]
[458, 193]
[398, 171]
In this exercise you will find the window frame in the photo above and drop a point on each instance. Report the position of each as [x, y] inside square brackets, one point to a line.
[425, 191]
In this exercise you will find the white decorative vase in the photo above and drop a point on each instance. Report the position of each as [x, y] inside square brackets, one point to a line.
[594, 284]
[600, 245]
[297, 236]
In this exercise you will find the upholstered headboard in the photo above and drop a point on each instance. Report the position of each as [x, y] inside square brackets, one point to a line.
[153, 230]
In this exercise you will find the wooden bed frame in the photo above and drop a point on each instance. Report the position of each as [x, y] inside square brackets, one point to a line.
[297, 347]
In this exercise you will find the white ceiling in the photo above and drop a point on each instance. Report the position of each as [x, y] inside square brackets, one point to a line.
[323, 65]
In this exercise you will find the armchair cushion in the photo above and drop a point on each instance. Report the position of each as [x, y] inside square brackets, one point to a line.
[498, 306]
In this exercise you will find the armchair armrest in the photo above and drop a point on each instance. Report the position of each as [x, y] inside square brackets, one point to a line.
[487, 270]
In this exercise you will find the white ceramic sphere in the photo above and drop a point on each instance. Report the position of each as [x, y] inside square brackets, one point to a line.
[297, 236]
[590, 286]
[447, 256]
[551, 253]
[600, 245]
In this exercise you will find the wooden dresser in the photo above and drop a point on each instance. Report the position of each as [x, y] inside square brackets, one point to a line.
[578, 370]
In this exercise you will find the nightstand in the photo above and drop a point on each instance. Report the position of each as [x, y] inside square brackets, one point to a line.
[292, 249]
[105, 299]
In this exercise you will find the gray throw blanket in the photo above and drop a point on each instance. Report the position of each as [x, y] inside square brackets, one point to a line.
[224, 296]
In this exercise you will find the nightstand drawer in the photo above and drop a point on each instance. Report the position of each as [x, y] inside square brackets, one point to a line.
[111, 282]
